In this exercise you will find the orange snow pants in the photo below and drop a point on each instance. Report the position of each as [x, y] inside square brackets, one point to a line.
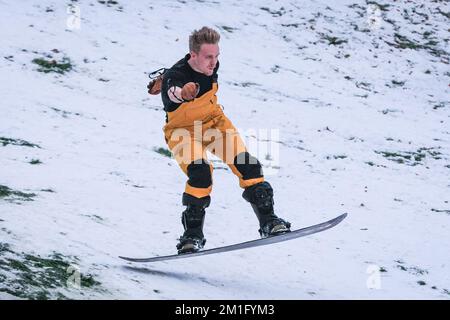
[198, 126]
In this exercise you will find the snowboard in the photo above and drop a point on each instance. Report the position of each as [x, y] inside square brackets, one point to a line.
[249, 244]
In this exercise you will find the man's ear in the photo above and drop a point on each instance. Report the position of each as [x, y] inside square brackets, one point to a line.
[193, 54]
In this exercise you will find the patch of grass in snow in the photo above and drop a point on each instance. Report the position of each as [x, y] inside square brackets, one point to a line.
[364, 85]
[64, 113]
[386, 111]
[382, 7]
[403, 268]
[17, 142]
[333, 41]
[441, 211]
[5, 230]
[108, 2]
[417, 271]
[111, 3]
[445, 14]
[396, 83]
[294, 25]
[34, 277]
[275, 13]
[411, 158]
[4, 247]
[245, 84]
[47, 66]
[372, 164]
[163, 151]
[35, 161]
[336, 157]
[403, 42]
[439, 105]
[228, 29]
[413, 270]
[94, 217]
[10, 195]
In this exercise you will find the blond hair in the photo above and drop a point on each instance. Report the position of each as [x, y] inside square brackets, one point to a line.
[204, 35]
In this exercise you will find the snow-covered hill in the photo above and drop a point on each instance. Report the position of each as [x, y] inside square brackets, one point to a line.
[351, 97]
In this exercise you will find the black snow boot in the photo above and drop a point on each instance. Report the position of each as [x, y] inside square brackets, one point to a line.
[192, 219]
[260, 197]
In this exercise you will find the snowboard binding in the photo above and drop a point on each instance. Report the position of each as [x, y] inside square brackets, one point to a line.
[190, 244]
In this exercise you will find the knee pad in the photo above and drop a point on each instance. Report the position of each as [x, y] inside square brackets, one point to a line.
[199, 175]
[248, 166]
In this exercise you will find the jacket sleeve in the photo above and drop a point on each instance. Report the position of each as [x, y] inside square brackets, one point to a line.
[171, 90]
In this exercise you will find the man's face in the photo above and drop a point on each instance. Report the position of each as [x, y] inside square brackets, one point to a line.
[206, 59]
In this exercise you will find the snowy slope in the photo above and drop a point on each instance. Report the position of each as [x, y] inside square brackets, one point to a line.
[357, 96]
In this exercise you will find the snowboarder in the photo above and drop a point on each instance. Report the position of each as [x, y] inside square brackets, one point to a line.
[196, 123]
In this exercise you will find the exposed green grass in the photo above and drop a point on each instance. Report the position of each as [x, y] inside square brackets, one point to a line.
[417, 270]
[336, 157]
[94, 217]
[111, 4]
[403, 268]
[445, 14]
[363, 85]
[402, 42]
[17, 142]
[63, 113]
[33, 277]
[163, 151]
[439, 105]
[411, 158]
[246, 84]
[386, 111]
[47, 66]
[274, 13]
[382, 7]
[228, 29]
[333, 40]
[373, 164]
[9, 194]
[35, 161]
[441, 211]
[398, 83]
[108, 2]
[413, 269]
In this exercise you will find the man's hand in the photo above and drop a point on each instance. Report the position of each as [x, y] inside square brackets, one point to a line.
[154, 87]
[190, 91]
